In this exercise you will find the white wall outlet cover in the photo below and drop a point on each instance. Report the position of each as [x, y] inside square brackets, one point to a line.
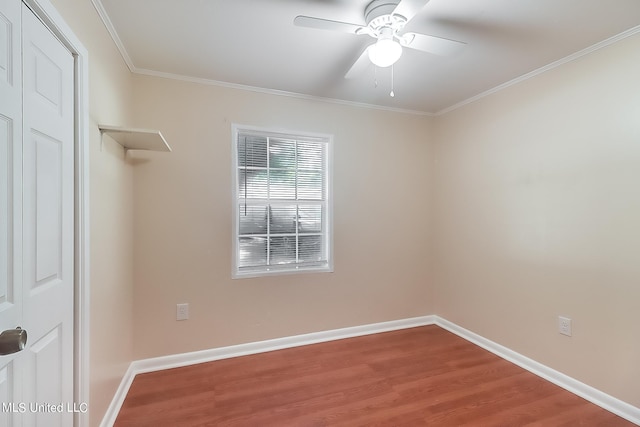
[182, 311]
[564, 325]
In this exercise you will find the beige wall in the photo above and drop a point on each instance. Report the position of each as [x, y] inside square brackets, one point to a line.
[183, 221]
[111, 209]
[536, 210]
[533, 213]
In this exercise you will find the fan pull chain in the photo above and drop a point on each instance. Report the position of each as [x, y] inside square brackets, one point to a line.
[392, 94]
[375, 77]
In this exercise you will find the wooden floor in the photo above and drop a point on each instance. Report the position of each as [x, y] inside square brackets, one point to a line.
[422, 376]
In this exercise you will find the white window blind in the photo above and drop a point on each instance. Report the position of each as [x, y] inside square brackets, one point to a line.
[282, 202]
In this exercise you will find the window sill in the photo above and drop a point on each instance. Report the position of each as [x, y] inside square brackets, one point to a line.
[280, 272]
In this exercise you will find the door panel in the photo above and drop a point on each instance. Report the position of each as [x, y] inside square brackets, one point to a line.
[48, 210]
[11, 378]
[7, 34]
[6, 273]
[9, 93]
[48, 170]
[8, 417]
[10, 162]
[45, 355]
[48, 79]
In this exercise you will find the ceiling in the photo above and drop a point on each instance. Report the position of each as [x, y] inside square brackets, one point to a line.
[254, 44]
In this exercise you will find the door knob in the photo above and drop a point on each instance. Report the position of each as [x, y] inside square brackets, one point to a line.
[12, 341]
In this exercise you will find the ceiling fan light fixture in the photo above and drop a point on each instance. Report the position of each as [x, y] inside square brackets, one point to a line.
[385, 52]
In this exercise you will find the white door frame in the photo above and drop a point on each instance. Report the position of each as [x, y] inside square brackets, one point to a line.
[45, 11]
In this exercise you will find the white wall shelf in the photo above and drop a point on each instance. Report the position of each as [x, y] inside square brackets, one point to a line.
[136, 139]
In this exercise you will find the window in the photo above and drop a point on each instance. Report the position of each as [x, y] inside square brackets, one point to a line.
[282, 205]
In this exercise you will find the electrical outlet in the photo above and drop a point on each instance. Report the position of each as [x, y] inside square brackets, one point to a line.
[182, 311]
[564, 325]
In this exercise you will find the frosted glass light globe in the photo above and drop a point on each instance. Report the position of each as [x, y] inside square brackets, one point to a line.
[385, 52]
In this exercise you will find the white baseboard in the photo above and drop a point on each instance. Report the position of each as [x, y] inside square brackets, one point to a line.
[593, 395]
[118, 399]
[192, 358]
[610, 403]
[185, 359]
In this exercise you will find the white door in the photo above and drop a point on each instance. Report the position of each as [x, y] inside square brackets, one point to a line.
[38, 290]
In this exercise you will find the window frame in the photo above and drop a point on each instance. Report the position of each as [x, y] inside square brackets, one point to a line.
[327, 267]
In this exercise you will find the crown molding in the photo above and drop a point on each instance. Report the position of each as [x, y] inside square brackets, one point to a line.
[97, 4]
[102, 13]
[577, 55]
[574, 56]
[276, 92]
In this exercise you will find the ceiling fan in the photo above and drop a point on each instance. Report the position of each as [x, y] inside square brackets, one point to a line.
[385, 20]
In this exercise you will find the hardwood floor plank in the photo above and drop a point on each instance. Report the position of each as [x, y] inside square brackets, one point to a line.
[421, 376]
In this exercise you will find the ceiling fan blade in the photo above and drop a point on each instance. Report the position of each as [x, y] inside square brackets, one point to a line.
[359, 67]
[409, 8]
[431, 44]
[325, 24]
